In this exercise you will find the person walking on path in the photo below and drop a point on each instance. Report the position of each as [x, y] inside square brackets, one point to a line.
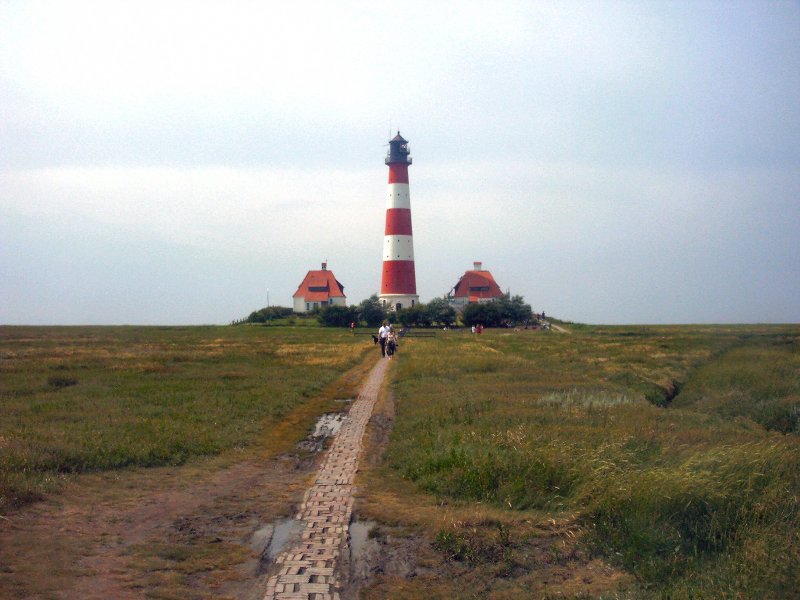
[383, 333]
[391, 342]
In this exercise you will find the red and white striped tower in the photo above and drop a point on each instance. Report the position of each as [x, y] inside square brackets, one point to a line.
[399, 283]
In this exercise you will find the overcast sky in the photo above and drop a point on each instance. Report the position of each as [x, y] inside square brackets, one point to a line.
[187, 162]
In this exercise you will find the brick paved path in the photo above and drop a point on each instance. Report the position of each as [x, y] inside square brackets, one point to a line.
[308, 570]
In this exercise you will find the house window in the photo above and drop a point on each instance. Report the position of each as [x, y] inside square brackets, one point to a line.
[308, 307]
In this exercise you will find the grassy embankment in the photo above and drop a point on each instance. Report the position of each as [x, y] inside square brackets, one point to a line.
[83, 399]
[670, 452]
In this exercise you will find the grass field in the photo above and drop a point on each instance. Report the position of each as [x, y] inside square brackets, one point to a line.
[82, 399]
[671, 452]
[613, 462]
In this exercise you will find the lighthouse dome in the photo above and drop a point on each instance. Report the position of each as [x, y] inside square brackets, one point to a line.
[398, 151]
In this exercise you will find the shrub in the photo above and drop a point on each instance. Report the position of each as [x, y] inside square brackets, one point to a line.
[371, 311]
[503, 312]
[337, 316]
[265, 315]
[58, 381]
[475, 544]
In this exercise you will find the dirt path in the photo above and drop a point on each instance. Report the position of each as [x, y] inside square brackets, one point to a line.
[148, 531]
[309, 568]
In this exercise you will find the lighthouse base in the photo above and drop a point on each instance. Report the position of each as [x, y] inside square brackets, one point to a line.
[399, 301]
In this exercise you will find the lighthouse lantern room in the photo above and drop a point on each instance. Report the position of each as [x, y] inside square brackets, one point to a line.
[398, 282]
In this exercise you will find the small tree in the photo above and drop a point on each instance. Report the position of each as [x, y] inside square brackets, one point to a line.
[422, 317]
[482, 313]
[440, 312]
[264, 315]
[514, 309]
[404, 317]
[371, 311]
[337, 316]
[414, 316]
[503, 312]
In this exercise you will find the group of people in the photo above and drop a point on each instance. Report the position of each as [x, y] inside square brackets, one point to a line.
[387, 337]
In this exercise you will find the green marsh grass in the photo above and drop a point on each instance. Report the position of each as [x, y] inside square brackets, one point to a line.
[695, 498]
[760, 380]
[80, 399]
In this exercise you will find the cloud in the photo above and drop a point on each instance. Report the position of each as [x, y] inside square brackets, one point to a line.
[261, 228]
[605, 160]
[240, 209]
[576, 237]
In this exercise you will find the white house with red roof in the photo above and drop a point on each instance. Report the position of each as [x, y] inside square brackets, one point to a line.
[476, 285]
[318, 289]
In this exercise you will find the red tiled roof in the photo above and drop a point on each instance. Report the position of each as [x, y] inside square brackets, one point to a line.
[477, 285]
[319, 286]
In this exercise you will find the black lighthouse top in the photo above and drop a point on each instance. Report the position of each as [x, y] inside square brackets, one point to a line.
[398, 151]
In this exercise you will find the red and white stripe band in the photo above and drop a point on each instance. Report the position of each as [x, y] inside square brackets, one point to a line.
[398, 196]
[398, 247]
[398, 173]
[398, 277]
[398, 222]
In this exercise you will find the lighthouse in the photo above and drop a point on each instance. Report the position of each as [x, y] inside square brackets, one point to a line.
[399, 282]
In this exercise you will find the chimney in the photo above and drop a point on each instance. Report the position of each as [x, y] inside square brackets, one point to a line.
[324, 266]
[477, 266]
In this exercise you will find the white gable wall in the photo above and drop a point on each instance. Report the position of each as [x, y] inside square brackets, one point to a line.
[300, 303]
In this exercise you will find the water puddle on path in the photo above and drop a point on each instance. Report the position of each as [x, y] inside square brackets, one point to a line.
[268, 540]
[359, 534]
[327, 426]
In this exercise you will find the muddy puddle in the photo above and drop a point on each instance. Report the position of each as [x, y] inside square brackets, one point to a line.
[268, 540]
[327, 426]
[376, 551]
[359, 534]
